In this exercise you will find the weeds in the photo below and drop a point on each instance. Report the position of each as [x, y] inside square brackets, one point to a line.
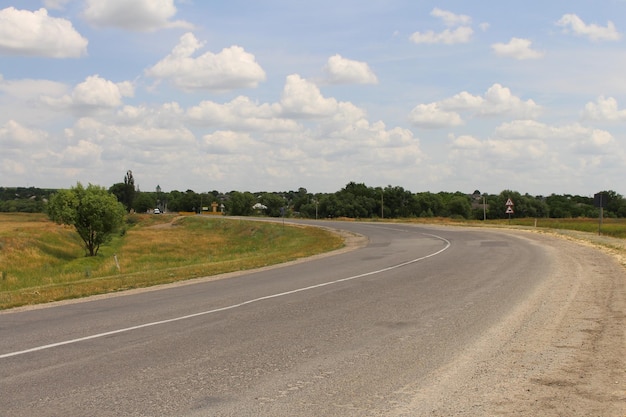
[42, 261]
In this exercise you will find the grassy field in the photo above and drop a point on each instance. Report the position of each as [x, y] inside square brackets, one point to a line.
[610, 227]
[41, 261]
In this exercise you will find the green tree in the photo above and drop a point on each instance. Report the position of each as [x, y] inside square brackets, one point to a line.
[144, 202]
[459, 206]
[274, 204]
[125, 192]
[129, 190]
[93, 211]
[240, 204]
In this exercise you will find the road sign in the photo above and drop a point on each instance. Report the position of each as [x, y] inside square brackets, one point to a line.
[509, 203]
[509, 210]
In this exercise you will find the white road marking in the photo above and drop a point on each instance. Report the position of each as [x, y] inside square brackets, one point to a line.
[231, 307]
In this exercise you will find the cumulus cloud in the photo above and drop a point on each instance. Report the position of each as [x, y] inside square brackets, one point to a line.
[136, 15]
[451, 19]
[499, 100]
[27, 33]
[517, 48]
[241, 114]
[302, 98]
[142, 142]
[573, 23]
[230, 69]
[82, 154]
[432, 116]
[341, 70]
[93, 93]
[574, 136]
[27, 89]
[15, 135]
[496, 101]
[458, 30]
[449, 37]
[55, 4]
[604, 109]
[226, 142]
[534, 151]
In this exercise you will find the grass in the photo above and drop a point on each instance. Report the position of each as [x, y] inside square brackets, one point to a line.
[610, 227]
[41, 261]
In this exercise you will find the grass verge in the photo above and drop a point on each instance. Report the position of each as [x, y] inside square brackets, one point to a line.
[41, 261]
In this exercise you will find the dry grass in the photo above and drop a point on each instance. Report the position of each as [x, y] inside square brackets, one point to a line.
[41, 261]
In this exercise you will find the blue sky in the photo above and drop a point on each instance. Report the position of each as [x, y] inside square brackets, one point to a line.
[277, 95]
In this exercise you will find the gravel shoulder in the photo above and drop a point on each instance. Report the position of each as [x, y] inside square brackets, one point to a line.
[561, 353]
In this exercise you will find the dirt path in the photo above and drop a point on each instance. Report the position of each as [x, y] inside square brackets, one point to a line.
[563, 353]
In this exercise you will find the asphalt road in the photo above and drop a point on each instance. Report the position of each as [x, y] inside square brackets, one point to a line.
[336, 336]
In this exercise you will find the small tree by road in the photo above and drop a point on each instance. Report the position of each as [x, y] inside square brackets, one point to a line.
[93, 211]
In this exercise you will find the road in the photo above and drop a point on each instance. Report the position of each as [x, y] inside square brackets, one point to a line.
[417, 321]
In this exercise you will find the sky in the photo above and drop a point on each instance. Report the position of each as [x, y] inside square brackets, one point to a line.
[276, 95]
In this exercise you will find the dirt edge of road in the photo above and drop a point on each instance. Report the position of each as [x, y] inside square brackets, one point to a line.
[562, 353]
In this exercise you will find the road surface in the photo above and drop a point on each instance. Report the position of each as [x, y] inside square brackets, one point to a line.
[418, 321]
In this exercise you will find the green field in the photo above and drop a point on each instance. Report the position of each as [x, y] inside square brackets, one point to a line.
[610, 227]
[41, 261]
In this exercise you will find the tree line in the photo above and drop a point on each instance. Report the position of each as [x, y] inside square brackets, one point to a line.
[355, 200]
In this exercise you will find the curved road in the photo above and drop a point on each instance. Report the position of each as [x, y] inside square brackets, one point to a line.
[390, 328]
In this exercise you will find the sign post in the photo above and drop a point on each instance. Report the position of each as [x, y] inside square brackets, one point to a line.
[509, 208]
[599, 200]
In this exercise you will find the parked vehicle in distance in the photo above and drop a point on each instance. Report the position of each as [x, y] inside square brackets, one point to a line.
[157, 211]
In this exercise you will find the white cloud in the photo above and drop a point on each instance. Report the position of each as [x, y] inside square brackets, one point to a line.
[517, 48]
[226, 142]
[461, 34]
[164, 116]
[27, 33]
[27, 89]
[142, 142]
[497, 101]
[466, 142]
[462, 101]
[302, 98]
[432, 116]
[230, 69]
[13, 135]
[93, 93]
[451, 19]
[241, 114]
[83, 154]
[571, 22]
[533, 153]
[341, 70]
[604, 109]
[574, 136]
[55, 4]
[136, 15]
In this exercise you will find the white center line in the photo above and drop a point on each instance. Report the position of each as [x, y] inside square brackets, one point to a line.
[231, 307]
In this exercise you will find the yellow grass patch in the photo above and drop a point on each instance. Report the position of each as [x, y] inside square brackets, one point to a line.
[41, 261]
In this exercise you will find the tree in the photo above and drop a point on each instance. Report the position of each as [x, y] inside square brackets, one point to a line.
[129, 190]
[274, 204]
[240, 204]
[125, 192]
[93, 211]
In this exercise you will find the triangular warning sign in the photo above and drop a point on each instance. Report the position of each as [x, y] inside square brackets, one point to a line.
[509, 210]
[509, 202]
